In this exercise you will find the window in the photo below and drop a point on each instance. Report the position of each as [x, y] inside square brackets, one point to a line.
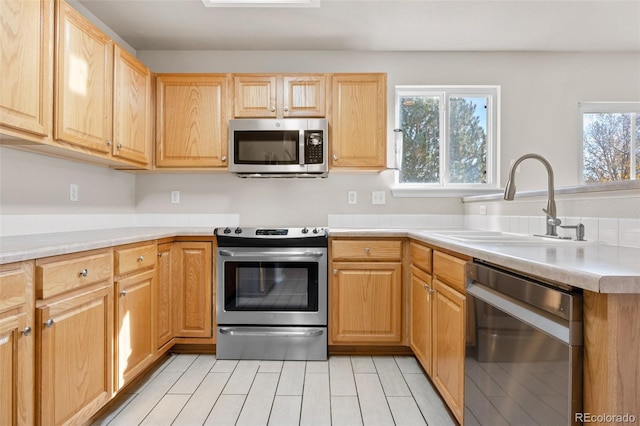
[610, 141]
[448, 136]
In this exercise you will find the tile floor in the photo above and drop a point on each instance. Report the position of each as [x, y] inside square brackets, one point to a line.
[346, 390]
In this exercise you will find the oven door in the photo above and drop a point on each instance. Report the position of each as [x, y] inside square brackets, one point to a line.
[271, 286]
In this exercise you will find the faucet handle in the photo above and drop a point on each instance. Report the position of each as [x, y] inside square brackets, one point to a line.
[579, 230]
[552, 220]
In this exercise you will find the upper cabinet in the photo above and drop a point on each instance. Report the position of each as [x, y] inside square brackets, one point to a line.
[132, 109]
[279, 96]
[358, 121]
[191, 120]
[26, 32]
[83, 89]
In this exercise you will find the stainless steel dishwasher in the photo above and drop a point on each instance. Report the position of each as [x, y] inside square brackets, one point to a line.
[523, 363]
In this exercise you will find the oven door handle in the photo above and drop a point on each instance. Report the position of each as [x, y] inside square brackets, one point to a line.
[270, 254]
[230, 331]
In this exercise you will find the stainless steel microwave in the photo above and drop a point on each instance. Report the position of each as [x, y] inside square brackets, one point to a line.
[278, 147]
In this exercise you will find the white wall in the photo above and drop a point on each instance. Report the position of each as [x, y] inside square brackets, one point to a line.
[540, 93]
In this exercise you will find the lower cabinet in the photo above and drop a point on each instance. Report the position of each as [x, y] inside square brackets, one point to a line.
[164, 308]
[74, 355]
[135, 347]
[437, 321]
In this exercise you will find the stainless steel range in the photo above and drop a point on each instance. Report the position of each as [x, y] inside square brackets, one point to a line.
[271, 300]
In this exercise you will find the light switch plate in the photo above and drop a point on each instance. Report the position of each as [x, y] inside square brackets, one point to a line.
[73, 192]
[378, 197]
[175, 197]
[352, 197]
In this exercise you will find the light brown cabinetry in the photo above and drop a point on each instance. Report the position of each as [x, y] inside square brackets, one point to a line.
[135, 349]
[84, 80]
[26, 85]
[437, 329]
[279, 96]
[17, 344]
[132, 109]
[194, 289]
[358, 121]
[74, 339]
[421, 305]
[191, 120]
[102, 93]
[365, 292]
[164, 306]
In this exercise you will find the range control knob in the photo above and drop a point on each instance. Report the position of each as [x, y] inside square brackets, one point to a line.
[305, 230]
[227, 230]
[316, 230]
[238, 230]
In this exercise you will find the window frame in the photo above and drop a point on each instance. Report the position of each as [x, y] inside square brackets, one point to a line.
[610, 107]
[445, 93]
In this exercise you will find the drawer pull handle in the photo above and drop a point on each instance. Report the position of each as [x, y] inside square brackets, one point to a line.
[49, 323]
[84, 273]
[141, 259]
[27, 331]
[123, 293]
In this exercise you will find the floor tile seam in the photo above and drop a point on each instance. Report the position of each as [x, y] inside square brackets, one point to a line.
[120, 409]
[410, 390]
[196, 390]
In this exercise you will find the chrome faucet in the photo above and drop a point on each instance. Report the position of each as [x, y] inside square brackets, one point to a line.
[550, 211]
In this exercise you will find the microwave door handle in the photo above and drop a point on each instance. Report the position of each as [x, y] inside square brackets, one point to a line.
[301, 147]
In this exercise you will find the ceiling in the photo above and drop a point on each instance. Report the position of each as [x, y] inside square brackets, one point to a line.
[378, 25]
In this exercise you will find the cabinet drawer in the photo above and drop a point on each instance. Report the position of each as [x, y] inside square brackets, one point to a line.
[366, 250]
[130, 259]
[449, 269]
[421, 257]
[55, 276]
[13, 284]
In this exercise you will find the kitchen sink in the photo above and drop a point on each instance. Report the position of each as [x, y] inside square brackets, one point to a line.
[496, 237]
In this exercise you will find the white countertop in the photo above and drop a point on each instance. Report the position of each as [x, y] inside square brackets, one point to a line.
[595, 267]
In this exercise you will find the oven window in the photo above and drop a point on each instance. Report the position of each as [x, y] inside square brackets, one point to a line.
[271, 286]
[266, 147]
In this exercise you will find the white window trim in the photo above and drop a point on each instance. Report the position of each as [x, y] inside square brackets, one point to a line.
[443, 188]
[605, 107]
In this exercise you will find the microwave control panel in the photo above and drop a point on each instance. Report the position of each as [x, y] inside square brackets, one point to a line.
[313, 147]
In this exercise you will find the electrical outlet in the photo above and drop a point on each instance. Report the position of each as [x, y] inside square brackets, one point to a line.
[378, 197]
[175, 197]
[353, 197]
[73, 192]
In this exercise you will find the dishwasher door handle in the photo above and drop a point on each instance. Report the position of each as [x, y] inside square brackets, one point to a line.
[537, 318]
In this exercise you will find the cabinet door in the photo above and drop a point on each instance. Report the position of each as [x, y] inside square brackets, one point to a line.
[255, 96]
[420, 317]
[132, 119]
[191, 121]
[303, 96]
[194, 287]
[83, 95]
[26, 90]
[74, 357]
[449, 346]
[10, 358]
[164, 293]
[358, 121]
[135, 347]
[366, 302]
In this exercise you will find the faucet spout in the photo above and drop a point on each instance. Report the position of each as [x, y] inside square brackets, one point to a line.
[550, 211]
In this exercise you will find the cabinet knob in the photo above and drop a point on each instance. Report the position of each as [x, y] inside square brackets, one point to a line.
[84, 273]
[27, 331]
[224, 158]
[367, 250]
[141, 259]
[49, 323]
[335, 272]
[110, 143]
[286, 108]
[273, 109]
[119, 146]
[160, 254]
[123, 293]
[335, 157]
